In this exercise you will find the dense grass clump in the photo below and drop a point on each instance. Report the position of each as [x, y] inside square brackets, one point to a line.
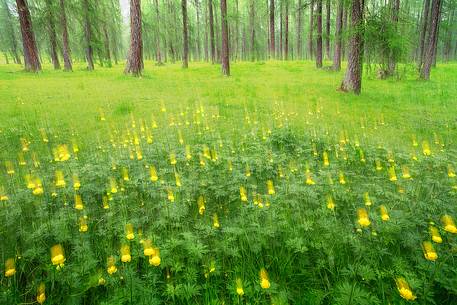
[216, 191]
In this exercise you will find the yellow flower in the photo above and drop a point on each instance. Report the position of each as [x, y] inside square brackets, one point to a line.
[188, 153]
[367, 199]
[41, 295]
[178, 180]
[404, 289]
[384, 213]
[139, 153]
[57, 255]
[451, 171]
[148, 249]
[243, 194]
[10, 267]
[342, 180]
[170, 195]
[330, 202]
[429, 252]
[62, 153]
[206, 152]
[125, 254]
[83, 224]
[325, 159]
[38, 187]
[392, 174]
[405, 172]
[153, 173]
[105, 202]
[125, 174]
[60, 180]
[76, 182]
[239, 287]
[3, 195]
[201, 205]
[309, 178]
[264, 281]
[113, 185]
[78, 202]
[155, 259]
[173, 159]
[436, 237]
[111, 265]
[449, 224]
[247, 171]
[270, 187]
[129, 234]
[363, 218]
[426, 148]
[101, 281]
[216, 223]
[378, 165]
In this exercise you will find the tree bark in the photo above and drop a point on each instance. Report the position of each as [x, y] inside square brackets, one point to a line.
[392, 60]
[197, 9]
[252, 28]
[10, 29]
[319, 35]
[299, 29]
[65, 41]
[52, 35]
[225, 40]
[31, 57]
[158, 53]
[211, 32]
[353, 78]
[286, 32]
[185, 35]
[311, 29]
[135, 55]
[338, 38]
[428, 60]
[107, 46]
[425, 17]
[88, 36]
[272, 29]
[327, 29]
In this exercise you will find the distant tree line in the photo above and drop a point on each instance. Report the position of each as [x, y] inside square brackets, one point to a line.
[379, 33]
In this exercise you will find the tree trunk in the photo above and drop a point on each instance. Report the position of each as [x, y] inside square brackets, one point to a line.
[428, 60]
[311, 29]
[252, 26]
[286, 32]
[197, 9]
[338, 38]
[344, 28]
[135, 55]
[353, 78]
[225, 40]
[52, 35]
[327, 29]
[299, 29]
[237, 30]
[185, 35]
[31, 57]
[425, 17]
[272, 29]
[319, 35]
[65, 41]
[392, 60]
[107, 46]
[448, 40]
[211, 32]
[10, 29]
[158, 53]
[88, 36]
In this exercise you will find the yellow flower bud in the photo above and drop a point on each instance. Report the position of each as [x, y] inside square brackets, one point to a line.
[363, 218]
[57, 255]
[125, 254]
[429, 252]
[10, 267]
[404, 289]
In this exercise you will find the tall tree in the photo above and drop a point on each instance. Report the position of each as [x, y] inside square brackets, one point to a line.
[338, 38]
[88, 35]
[211, 32]
[286, 32]
[31, 57]
[225, 40]
[319, 35]
[327, 29]
[158, 52]
[135, 57]
[425, 19]
[353, 78]
[52, 34]
[299, 28]
[435, 19]
[311, 29]
[65, 41]
[252, 29]
[185, 35]
[395, 8]
[11, 33]
[272, 28]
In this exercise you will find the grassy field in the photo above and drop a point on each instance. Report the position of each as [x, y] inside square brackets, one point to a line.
[268, 187]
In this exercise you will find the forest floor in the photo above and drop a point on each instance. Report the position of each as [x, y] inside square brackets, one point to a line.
[407, 106]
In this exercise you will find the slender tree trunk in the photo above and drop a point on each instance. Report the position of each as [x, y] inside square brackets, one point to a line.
[197, 9]
[286, 32]
[52, 35]
[107, 46]
[31, 56]
[88, 36]
[158, 52]
[185, 35]
[252, 26]
[237, 30]
[345, 27]
[65, 41]
[281, 30]
[299, 29]
[311, 29]
[353, 78]
[7, 61]
[428, 60]
[338, 38]
[135, 55]
[211, 32]
[319, 35]
[425, 17]
[225, 40]
[10, 29]
[392, 59]
[448, 40]
[327, 29]
[205, 38]
[272, 29]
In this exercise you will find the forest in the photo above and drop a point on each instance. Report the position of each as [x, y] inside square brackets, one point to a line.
[257, 152]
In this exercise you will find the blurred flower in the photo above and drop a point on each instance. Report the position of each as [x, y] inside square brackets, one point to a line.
[78, 202]
[384, 213]
[363, 218]
[243, 194]
[111, 265]
[264, 281]
[83, 224]
[239, 287]
[429, 252]
[125, 254]
[270, 187]
[41, 295]
[155, 259]
[10, 267]
[449, 224]
[57, 255]
[129, 233]
[201, 204]
[436, 237]
[404, 289]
